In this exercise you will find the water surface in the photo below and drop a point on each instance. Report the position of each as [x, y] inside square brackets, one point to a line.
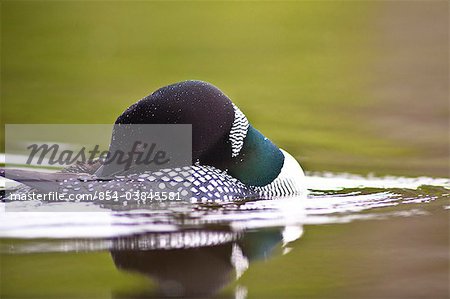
[185, 250]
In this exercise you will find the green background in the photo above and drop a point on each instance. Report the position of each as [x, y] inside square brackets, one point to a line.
[303, 72]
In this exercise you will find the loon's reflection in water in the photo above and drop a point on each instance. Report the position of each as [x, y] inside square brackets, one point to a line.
[188, 251]
[196, 263]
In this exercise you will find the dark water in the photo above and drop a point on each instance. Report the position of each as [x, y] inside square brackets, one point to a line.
[210, 250]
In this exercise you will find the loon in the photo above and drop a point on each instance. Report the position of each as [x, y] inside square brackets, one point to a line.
[231, 159]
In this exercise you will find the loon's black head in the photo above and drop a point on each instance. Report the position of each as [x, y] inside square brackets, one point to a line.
[221, 134]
